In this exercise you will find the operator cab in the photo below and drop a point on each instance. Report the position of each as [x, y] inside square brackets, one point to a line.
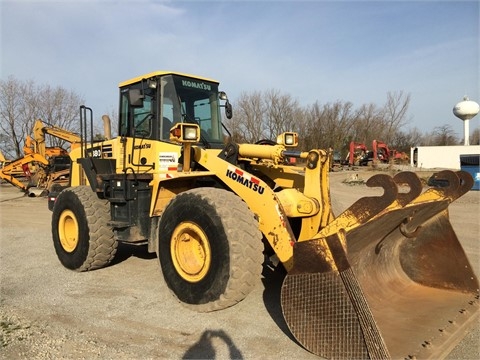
[151, 105]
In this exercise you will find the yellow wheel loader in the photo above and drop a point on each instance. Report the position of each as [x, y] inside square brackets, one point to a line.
[387, 278]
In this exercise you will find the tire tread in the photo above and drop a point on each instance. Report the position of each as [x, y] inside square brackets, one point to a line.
[246, 247]
[102, 244]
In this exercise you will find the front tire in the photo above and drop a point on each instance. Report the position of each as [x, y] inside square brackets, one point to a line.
[210, 249]
[81, 237]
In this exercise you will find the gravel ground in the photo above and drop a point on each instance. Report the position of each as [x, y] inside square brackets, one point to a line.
[125, 311]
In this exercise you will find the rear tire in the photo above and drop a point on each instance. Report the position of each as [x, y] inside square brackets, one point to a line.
[210, 249]
[81, 237]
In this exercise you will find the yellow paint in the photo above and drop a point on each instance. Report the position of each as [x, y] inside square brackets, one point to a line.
[190, 251]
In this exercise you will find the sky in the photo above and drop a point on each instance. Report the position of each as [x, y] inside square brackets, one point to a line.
[315, 51]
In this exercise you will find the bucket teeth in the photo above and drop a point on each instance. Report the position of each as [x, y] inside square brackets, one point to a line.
[367, 207]
[414, 184]
[454, 185]
[466, 183]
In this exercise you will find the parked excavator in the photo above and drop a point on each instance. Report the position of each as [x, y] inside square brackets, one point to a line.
[399, 157]
[381, 152]
[384, 154]
[387, 278]
[356, 152]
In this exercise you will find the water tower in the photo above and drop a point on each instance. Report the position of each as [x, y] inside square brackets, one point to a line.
[466, 110]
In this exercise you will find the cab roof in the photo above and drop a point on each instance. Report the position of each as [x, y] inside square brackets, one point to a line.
[162, 72]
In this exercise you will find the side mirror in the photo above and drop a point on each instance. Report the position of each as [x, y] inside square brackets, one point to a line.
[135, 97]
[228, 110]
[222, 95]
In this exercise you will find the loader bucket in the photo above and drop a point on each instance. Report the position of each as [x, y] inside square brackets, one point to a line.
[393, 282]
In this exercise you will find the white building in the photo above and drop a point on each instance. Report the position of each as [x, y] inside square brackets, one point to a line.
[440, 157]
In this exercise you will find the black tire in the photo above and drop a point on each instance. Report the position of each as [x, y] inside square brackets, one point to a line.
[232, 245]
[81, 237]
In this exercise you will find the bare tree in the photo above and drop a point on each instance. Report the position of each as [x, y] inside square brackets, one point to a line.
[394, 114]
[59, 107]
[265, 115]
[11, 117]
[403, 141]
[475, 137]
[280, 110]
[444, 135]
[23, 102]
[247, 124]
[315, 132]
[340, 119]
[368, 124]
[332, 124]
[300, 126]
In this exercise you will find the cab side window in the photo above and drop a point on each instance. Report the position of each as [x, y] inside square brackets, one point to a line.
[143, 117]
[168, 118]
[137, 119]
[123, 130]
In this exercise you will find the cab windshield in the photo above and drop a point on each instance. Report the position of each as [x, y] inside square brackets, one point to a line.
[192, 100]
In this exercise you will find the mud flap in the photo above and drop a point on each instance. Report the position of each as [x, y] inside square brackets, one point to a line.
[404, 288]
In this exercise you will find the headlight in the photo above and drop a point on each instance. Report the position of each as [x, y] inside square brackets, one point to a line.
[182, 133]
[288, 139]
[190, 132]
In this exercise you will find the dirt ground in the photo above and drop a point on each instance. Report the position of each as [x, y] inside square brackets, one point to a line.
[125, 311]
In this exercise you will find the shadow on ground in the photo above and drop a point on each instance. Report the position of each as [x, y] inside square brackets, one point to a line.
[126, 251]
[272, 281]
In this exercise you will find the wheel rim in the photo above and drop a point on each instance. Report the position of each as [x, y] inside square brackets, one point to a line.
[68, 230]
[190, 252]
